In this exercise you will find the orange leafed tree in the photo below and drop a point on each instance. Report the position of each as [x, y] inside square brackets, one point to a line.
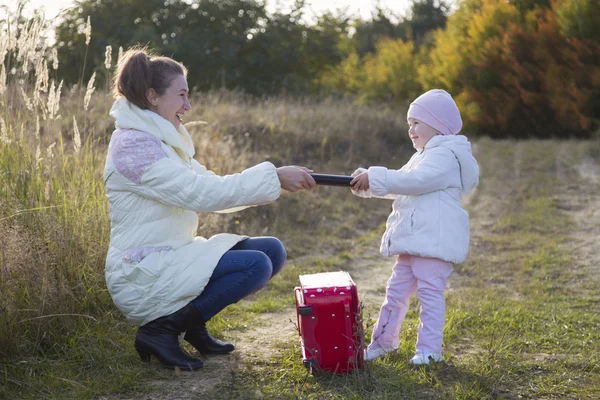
[520, 73]
[542, 84]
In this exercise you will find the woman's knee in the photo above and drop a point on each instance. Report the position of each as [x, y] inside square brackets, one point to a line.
[269, 245]
[261, 268]
[279, 255]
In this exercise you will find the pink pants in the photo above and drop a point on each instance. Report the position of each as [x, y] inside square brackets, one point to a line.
[427, 277]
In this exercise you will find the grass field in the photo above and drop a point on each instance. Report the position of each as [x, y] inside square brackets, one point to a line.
[522, 315]
[522, 318]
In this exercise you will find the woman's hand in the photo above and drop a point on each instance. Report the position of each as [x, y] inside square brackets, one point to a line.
[293, 178]
[360, 181]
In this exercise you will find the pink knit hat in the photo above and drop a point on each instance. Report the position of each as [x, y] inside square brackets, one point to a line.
[437, 109]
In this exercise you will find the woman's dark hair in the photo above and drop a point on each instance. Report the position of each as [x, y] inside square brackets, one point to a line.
[138, 71]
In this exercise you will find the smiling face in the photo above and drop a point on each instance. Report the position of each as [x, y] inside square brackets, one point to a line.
[420, 133]
[174, 102]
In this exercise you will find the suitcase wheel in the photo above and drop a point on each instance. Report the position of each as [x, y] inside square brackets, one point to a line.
[309, 364]
[304, 310]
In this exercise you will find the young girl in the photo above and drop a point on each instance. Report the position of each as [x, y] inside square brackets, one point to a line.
[427, 230]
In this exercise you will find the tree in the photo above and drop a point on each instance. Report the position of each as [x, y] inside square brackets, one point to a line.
[546, 86]
[207, 35]
[274, 55]
[214, 41]
[391, 72]
[579, 18]
[524, 6]
[327, 42]
[287, 55]
[463, 44]
[426, 16]
[224, 43]
[347, 77]
[369, 33]
[516, 75]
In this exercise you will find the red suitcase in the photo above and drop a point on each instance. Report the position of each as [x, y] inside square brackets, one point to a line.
[329, 322]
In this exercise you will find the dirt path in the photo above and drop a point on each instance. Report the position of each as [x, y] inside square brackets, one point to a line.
[264, 340]
[578, 195]
[580, 200]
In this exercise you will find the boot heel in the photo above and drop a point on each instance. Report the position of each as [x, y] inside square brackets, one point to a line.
[158, 339]
[144, 354]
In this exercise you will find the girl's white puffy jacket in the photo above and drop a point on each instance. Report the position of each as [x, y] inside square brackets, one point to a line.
[156, 264]
[427, 219]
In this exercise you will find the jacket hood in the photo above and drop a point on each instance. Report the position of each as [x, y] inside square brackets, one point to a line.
[130, 116]
[461, 147]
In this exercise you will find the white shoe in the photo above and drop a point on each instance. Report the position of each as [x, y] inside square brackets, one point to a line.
[426, 358]
[372, 354]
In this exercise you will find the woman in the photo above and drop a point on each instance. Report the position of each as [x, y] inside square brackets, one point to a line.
[158, 273]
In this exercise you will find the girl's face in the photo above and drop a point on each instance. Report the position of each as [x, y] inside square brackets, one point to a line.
[420, 133]
[174, 103]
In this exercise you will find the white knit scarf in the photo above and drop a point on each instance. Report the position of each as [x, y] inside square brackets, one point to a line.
[130, 116]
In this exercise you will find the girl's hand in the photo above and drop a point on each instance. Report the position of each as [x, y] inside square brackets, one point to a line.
[360, 182]
[293, 178]
[359, 171]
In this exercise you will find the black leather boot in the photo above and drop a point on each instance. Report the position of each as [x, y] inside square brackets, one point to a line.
[160, 338]
[202, 341]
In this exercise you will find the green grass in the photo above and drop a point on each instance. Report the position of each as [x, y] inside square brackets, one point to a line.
[60, 334]
[517, 327]
[91, 357]
[522, 320]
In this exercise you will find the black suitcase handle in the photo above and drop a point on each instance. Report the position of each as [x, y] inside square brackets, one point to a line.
[332, 180]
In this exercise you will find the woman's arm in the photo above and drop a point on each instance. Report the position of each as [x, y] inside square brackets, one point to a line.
[201, 169]
[172, 183]
[148, 172]
[292, 178]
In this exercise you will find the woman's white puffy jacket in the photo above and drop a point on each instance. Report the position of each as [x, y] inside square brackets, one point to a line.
[156, 264]
[427, 219]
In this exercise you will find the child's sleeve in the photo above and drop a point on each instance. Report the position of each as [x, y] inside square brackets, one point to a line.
[367, 194]
[432, 173]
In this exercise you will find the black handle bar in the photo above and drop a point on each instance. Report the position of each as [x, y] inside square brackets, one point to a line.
[332, 180]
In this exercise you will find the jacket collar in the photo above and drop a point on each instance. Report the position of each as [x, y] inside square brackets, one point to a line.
[130, 116]
[436, 141]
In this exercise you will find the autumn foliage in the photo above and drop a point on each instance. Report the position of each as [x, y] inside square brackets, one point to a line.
[516, 69]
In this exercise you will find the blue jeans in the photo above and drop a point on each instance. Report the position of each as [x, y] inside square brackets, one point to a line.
[243, 270]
